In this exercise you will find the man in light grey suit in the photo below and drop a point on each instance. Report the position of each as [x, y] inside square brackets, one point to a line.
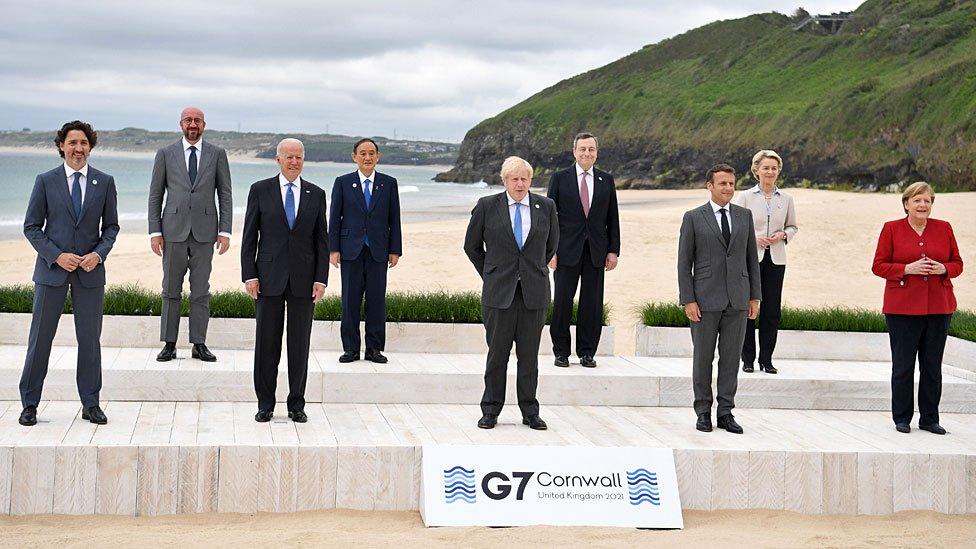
[510, 239]
[190, 173]
[72, 221]
[718, 283]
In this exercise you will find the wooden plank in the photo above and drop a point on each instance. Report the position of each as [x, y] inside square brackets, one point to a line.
[278, 479]
[32, 480]
[803, 476]
[118, 473]
[440, 421]
[839, 483]
[405, 423]
[379, 430]
[767, 485]
[75, 472]
[318, 430]
[52, 425]
[154, 424]
[158, 480]
[317, 468]
[948, 474]
[6, 477]
[198, 479]
[186, 418]
[284, 431]
[122, 417]
[694, 470]
[246, 429]
[874, 483]
[237, 483]
[730, 479]
[216, 423]
[347, 424]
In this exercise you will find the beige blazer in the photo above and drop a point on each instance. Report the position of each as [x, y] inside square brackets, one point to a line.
[781, 216]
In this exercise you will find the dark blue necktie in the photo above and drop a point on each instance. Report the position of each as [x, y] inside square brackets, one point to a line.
[518, 225]
[192, 165]
[290, 206]
[76, 195]
[368, 197]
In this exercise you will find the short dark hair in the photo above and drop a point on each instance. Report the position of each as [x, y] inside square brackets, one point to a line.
[364, 140]
[85, 127]
[585, 135]
[716, 169]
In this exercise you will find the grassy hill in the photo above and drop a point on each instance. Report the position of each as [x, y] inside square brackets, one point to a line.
[890, 98]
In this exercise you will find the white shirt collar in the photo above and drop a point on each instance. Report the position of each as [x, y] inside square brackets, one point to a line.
[524, 201]
[580, 170]
[187, 144]
[69, 171]
[282, 180]
[716, 207]
[372, 177]
[758, 189]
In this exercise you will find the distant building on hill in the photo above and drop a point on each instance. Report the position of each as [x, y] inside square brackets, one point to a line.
[829, 24]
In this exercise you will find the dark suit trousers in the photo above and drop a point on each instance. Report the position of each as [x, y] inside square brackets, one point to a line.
[726, 328]
[363, 275]
[267, 349]
[771, 276]
[923, 336]
[503, 327]
[589, 318]
[48, 304]
[177, 258]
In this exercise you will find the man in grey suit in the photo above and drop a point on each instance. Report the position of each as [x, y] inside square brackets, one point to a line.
[72, 221]
[510, 239]
[718, 283]
[190, 173]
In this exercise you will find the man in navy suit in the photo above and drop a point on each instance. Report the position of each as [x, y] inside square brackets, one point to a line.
[72, 221]
[364, 228]
[284, 261]
[589, 243]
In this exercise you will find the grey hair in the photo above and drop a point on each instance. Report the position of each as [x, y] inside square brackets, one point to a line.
[289, 141]
[513, 164]
[585, 135]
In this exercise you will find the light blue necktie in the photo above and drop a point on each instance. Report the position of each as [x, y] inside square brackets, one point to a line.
[368, 197]
[518, 225]
[290, 206]
[76, 195]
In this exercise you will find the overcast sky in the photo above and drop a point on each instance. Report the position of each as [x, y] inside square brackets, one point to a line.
[426, 69]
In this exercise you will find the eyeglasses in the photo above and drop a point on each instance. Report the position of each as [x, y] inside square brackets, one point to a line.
[189, 120]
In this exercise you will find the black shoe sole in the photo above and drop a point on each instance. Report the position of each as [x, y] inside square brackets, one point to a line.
[165, 358]
[88, 418]
[198, 357]
[480, 426]
[27, 423]
[704, 430]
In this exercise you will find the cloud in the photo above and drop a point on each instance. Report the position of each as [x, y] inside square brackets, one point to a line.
[430, 69]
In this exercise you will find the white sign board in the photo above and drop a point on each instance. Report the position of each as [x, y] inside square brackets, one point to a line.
[552, 485]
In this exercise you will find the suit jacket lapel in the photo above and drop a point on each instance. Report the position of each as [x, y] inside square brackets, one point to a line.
[61, 184]
[574, 190]
[374, 190]
[502, 210]
[536, 212]
[303, 202]
[710, 220]
[356, 188]
[274, 192]
[206, 154]
[92, 189]
[177, 156]
[596, 189]
[738, 226]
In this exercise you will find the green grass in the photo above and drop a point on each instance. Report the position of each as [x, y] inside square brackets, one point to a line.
[440, 307]
[828, 319]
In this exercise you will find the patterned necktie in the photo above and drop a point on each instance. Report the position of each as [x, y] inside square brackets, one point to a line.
[518, 225]
[76, 195]
[585, 196]
[192, 165]
[726, 232]
[368, 196]
[290, 206]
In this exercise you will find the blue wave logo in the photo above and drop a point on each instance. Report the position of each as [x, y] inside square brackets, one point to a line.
[459, 485]
[642, 487]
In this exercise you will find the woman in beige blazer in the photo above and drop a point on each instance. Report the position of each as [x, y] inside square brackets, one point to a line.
[775, 220]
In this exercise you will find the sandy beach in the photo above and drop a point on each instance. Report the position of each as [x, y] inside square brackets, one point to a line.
[829, 260]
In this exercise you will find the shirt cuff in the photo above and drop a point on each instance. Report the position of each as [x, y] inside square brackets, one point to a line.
[224, 234]
[250, 280]
[100, 258]
[155, 234]
[323, 284]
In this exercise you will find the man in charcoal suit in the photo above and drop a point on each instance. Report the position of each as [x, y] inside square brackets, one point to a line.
[719, 286]
[72, 221]
[364, 228]
[190, 173]
[589, 244]
[510, 238]
[284, 262]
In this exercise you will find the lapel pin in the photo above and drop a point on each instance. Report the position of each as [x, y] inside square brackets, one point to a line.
[599, 178]
[306, 192]
[94, 182]
[354, 185]
[536, 205]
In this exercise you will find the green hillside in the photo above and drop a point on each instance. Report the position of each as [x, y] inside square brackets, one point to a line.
[890, 98]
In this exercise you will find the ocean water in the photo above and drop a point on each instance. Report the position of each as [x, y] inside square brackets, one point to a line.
[133, 171]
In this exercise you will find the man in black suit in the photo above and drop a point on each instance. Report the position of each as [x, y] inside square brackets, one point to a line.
[364, 227]
[284, 260]
[589, 243]
[509, 240]
[72, 221]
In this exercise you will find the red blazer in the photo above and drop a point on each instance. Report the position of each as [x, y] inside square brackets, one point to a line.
[899, 245]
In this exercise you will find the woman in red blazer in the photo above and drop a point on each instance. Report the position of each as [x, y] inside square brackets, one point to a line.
[917, 256]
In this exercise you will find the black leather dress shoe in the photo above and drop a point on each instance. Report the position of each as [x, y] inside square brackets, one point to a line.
[488, 421]
[168, 353]
[29, 416]
[201, 352]
[373, 355]
[349, 356]
[94, 415]
[263, 416]
[587, 361]
[768, 368]
[298, 416]
[704, 423]
[535, 422]
[748, 367]
[728, 423]
[903, 428]
[561, 361]
[934, 428]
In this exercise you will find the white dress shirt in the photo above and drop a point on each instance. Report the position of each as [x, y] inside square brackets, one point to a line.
[372, 183]
[526, 214]
[589, 183]
[69, 172]
[718, 214]
[295, 191]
